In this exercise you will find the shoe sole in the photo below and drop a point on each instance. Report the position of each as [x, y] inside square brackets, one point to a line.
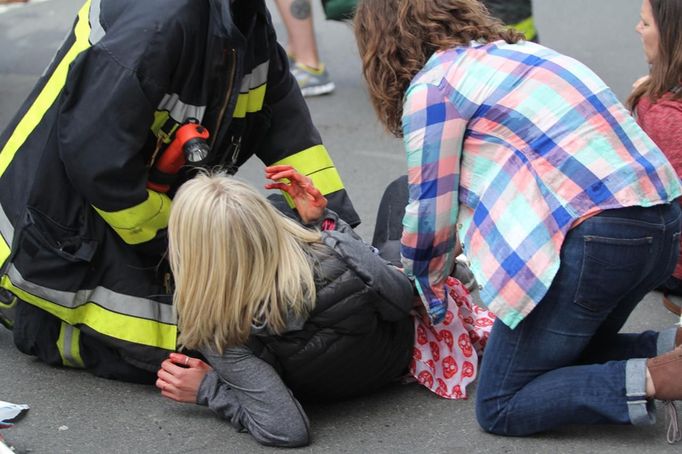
[318, 90]
[672, 307]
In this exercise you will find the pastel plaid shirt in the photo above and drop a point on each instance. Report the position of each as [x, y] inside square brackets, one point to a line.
[512, 145]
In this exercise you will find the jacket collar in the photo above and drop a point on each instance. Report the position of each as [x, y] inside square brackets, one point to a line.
[222, 19]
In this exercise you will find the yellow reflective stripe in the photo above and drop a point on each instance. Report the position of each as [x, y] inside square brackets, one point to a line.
[6, 235]
[249, 102]
[119, 326]
[527, 27]
[240, 107]
[256, 97]
[140, 223]
[160, 119]
[327, 180]
[4, 251]
[69, 346]
[49, 93]
[316, 163]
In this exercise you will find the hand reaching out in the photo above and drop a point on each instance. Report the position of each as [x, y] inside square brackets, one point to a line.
[180, 377]
[309, 201]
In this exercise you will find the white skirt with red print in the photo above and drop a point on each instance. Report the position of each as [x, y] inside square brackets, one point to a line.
[445, 356]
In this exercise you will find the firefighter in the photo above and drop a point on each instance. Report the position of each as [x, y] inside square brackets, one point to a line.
[516, 13]
[83, 281]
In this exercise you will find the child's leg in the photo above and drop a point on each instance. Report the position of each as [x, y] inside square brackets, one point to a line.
[389, 224]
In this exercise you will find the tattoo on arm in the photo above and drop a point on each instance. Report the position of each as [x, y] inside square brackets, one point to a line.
[300, 9]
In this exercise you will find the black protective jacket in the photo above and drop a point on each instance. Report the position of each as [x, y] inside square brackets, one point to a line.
[517, 13]
[81, 236]
[360, 334]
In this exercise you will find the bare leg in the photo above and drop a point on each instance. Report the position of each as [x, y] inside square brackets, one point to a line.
[298, 20]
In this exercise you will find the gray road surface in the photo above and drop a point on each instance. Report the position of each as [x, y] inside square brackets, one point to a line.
[74, 412]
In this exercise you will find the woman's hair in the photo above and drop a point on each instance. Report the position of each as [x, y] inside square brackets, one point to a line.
[237, 263]
[397, 37]
[666, 70]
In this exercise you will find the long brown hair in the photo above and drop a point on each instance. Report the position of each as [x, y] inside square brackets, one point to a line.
[665, 73]
[397, 37]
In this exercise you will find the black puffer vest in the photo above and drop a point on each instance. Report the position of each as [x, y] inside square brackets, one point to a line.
[359, 336]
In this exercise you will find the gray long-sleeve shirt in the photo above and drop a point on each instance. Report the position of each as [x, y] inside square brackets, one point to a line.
[249, 393]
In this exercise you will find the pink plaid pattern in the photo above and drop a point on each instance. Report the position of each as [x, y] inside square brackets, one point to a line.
[513, 145]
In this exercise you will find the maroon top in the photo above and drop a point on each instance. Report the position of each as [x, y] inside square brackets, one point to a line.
[662, 121]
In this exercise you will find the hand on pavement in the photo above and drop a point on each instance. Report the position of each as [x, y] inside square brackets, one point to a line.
[180, 377]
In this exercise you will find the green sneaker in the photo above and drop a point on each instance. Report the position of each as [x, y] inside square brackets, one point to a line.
[313, 82]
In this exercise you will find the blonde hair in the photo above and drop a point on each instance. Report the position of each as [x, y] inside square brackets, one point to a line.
[236, 261]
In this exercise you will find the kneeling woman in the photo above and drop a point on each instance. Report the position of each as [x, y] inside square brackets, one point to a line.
[277, 308]
[564, 207]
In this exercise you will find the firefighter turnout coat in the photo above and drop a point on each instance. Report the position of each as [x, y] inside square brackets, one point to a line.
[81, 236]
[516, 13]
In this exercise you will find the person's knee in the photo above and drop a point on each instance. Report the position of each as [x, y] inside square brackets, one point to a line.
[489, 415]
[36, 333]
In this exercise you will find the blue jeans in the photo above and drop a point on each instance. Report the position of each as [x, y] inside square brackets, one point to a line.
[566, 362]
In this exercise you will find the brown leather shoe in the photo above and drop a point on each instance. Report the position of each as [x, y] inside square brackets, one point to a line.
[671, 306]
[666, 375]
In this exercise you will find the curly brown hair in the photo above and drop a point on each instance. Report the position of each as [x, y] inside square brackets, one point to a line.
[665, 73]
[397, 37]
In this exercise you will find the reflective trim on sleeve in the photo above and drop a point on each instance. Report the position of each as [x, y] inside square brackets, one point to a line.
[249, 102]
[96, 30]
[257, 77]
[252, 91]
[527, 27]
[68, 345]
[316, 163]
[140, 223]
[49, 93]
[4, 251]
[124, 317]
[180, 111]
[6, 236]
[171, 108]
[160, 120]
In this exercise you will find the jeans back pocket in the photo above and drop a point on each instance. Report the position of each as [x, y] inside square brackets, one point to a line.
[611, 268]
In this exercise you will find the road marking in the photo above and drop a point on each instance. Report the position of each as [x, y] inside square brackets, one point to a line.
[11, 6]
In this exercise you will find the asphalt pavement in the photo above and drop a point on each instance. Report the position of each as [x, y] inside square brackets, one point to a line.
[75, 412]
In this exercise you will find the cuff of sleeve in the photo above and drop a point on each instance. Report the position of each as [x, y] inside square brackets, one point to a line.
[435, 307]
[327, 218]
[207, 388]
[641, 410]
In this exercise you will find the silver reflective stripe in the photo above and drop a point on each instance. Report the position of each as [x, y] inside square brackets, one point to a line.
[96, 29]
[70, 359]
[179, 111]
[6, 228]
[256, 78]
[108, 299]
